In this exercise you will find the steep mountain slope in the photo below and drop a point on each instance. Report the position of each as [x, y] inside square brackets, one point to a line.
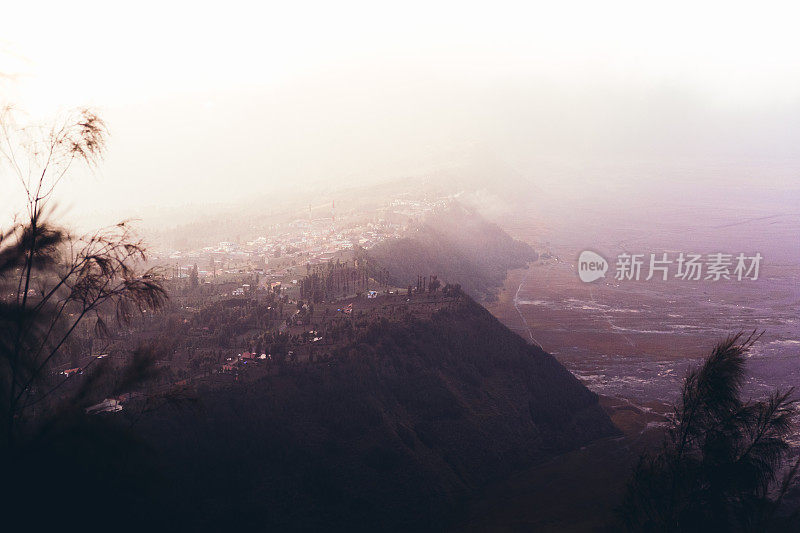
[458, 246]
[394, 431]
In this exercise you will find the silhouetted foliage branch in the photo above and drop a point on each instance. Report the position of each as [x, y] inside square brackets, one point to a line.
[722, 456]
[52, 282]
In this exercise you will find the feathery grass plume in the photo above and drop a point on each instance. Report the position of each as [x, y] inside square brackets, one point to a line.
[51, 282]
[719, 464]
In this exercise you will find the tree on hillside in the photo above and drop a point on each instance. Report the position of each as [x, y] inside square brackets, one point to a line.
[721, 465]
[193, 277]
[54, 285]
[434, 285]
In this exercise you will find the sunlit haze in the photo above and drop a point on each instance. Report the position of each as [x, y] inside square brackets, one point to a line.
[218, 102]
[416, 266]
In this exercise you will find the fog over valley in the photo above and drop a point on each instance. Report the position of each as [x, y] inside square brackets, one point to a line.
[430, 267]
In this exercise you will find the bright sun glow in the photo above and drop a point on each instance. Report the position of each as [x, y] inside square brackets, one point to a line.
[260, 94]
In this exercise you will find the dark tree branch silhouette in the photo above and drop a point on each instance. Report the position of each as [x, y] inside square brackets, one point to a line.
[720, 464]
[52, 282]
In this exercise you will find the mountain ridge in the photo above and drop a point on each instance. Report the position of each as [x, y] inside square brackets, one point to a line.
[395, 429]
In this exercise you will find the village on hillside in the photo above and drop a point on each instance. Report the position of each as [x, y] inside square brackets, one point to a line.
[284, 254]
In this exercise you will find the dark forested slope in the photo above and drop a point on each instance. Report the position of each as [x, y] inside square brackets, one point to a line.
[393, 431]
[458, 246]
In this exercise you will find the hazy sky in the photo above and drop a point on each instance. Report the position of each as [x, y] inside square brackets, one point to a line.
[215, 102]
